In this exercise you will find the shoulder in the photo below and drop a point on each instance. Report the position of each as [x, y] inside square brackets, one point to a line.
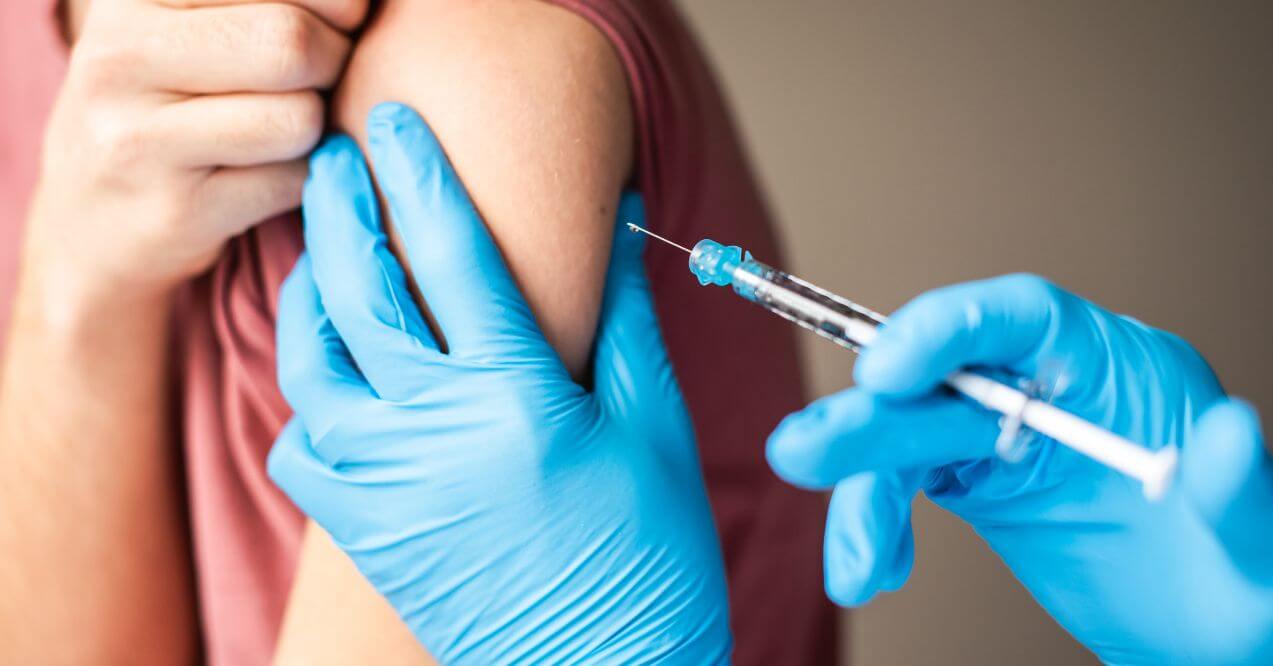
[538, 72]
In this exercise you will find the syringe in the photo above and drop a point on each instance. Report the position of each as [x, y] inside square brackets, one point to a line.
[852, 326]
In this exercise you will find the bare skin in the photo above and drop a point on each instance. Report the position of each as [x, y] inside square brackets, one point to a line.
[179, 125]
[544, 157]
[531, 103]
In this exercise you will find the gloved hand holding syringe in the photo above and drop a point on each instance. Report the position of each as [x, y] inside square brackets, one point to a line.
[852, 326]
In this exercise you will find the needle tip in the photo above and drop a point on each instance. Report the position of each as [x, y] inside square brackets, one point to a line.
[651, 234]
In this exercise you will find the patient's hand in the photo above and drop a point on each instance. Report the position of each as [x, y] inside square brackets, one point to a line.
[180, 124]
[531, 105]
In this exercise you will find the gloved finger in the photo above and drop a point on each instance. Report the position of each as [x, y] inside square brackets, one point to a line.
[334, 493]
[869, 546]
[362, 285]
[857, 431]
[317, 489]
[633, 373]
[456, 264]
[315, 371]
[1226, 474]
[1011, 321]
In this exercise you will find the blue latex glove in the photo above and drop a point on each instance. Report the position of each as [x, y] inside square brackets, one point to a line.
[508, 514]
[1182, 579]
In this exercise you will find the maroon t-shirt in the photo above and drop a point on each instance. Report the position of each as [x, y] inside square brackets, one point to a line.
[737, 365]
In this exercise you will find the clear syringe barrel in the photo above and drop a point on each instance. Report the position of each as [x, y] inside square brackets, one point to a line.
[837, 319]
[852, 326]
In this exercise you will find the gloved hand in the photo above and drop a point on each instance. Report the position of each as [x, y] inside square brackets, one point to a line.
[507, 513]
[1184, 579]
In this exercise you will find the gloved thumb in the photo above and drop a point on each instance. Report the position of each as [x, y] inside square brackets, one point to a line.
[632, 371]
[316, 488]
[1226, 474]
[869, 546]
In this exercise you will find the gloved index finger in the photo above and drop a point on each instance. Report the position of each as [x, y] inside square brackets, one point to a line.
[362, 285]
[633, 373]
[857, 431]
[456, 264]
[1014, 322]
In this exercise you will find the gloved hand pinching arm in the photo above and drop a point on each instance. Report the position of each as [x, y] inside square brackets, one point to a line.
[1182, 579]
[507, 513]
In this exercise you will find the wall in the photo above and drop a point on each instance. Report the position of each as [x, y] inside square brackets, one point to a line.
[1123, 149]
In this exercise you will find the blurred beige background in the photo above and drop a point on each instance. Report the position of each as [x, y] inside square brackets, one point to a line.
[1123, 149]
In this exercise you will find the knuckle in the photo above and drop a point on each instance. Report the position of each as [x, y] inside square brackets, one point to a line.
[101, 68]
[357, 10]
[1032, 286]
[165, 214]
[117, 141]
[291, 35]
[347, 14]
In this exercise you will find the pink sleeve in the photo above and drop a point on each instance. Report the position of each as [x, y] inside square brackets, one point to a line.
[32, 63]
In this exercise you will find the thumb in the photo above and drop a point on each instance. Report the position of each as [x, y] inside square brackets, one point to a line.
[316, 488]
[632, 365]
[869, 546]
[1226, 475]
[856, 431]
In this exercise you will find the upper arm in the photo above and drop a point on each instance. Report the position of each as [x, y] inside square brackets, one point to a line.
[531, 104]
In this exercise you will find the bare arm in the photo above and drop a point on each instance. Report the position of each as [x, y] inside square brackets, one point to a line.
[87, 465]
[532, 106]
[96, 563]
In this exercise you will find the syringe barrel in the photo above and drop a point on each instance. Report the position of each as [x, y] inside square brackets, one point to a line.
[838, 319]
[852, 326]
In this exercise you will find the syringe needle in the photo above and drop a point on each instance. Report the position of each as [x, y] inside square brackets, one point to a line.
[647, 232]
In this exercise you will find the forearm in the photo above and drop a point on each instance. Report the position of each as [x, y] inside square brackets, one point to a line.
[96, 566]
[179, 125]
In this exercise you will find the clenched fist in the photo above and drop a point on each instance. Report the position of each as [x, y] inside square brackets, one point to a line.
[181, 124]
